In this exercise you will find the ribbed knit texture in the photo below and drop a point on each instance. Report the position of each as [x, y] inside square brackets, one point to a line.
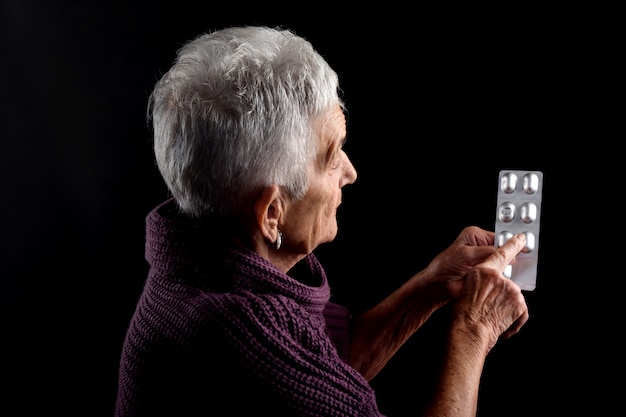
[219, 331]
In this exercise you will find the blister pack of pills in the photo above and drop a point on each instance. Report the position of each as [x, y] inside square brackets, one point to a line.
[519, 211]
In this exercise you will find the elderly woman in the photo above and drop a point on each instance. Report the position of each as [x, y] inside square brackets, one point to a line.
[236, 317]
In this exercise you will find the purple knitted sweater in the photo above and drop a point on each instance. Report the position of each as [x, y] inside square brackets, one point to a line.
[218, 330]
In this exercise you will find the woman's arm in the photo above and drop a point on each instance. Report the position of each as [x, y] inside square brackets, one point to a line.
[485, 306]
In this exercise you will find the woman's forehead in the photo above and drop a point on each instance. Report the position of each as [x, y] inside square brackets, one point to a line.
[332, 126]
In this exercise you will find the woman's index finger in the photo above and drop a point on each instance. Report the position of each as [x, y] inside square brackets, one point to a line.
[506, 253]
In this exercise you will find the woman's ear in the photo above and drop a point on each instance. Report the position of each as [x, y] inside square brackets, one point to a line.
[268, 209]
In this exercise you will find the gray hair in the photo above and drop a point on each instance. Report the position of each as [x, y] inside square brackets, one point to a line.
[235, 113]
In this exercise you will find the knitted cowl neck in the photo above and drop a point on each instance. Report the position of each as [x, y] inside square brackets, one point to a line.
[175, 243]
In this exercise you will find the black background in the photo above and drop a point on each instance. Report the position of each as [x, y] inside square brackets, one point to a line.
[439, 102]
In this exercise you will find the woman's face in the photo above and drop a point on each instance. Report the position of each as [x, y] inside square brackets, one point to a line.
[313, 220]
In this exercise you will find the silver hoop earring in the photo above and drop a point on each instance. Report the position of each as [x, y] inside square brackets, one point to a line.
[279, 240]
